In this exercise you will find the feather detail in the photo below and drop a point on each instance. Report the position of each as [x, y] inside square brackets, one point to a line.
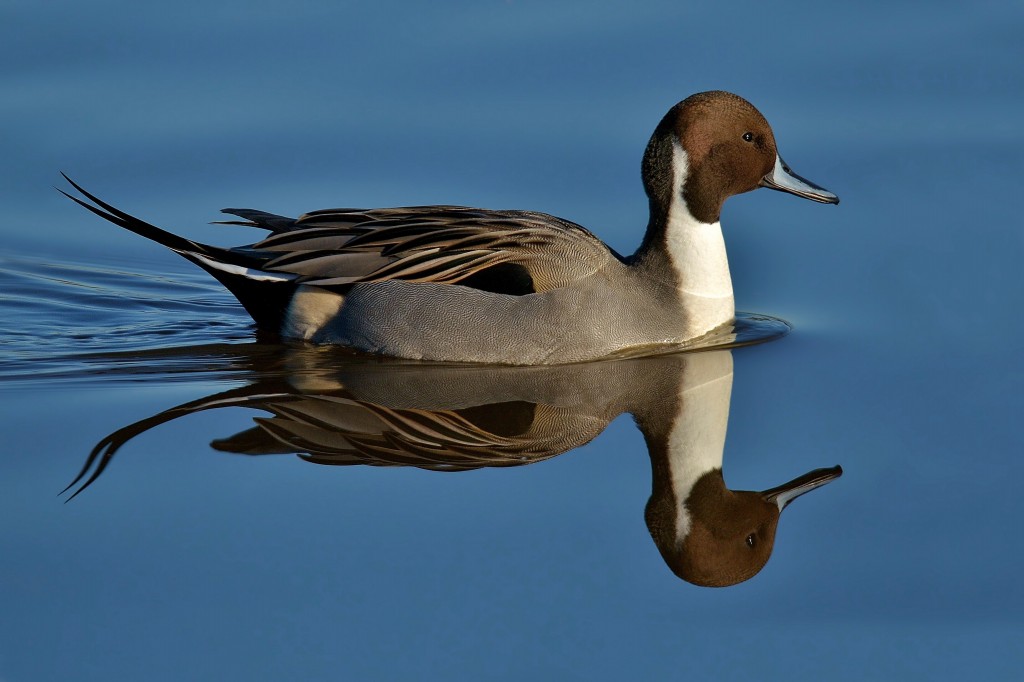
[338, 248]
[443, 244]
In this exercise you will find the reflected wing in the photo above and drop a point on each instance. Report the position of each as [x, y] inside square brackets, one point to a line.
[341, 431]
[337, 248]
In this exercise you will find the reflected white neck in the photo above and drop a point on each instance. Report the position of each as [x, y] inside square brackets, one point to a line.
[697, 440]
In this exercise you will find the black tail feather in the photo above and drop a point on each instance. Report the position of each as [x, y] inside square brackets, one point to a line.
[181, 245]
[130, 222]
[264, 299]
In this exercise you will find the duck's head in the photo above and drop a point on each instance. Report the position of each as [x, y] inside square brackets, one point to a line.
[729, 534]
[711, 146]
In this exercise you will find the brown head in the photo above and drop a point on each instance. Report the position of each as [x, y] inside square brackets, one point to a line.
[731, 534]
[711, 146]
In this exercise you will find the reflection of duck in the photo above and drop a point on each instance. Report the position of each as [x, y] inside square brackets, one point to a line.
[513, 287]
[465, 417]
[709, 535]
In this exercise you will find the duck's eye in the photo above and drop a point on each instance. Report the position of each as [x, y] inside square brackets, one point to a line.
[748, 137]
[751, 540]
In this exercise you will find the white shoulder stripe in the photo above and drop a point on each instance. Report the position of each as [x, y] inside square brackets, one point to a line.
[257, 275]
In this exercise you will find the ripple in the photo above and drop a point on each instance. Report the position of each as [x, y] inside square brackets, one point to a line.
[63, 309]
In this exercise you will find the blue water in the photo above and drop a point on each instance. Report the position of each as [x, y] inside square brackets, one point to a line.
[182, 562]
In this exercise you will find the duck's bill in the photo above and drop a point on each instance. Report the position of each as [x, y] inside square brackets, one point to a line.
[785, 180]
[787, 492]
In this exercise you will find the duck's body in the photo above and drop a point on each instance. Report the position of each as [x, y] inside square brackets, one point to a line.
[617, 304]
[450, 283]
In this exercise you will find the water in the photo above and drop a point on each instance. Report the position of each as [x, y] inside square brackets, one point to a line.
[185, 561]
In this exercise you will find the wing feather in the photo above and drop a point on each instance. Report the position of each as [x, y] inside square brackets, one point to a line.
[440, 244]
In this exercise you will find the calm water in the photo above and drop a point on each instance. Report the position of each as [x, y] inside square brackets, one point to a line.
[186, 561]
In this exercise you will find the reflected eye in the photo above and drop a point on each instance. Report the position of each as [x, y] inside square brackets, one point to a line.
[748, 137]
[751, 540]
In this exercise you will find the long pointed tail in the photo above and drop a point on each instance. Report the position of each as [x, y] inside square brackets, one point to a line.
[139, 227]
[264, 294]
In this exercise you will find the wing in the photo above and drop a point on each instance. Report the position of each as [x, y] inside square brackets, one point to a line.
[341, 431]
[337, 248]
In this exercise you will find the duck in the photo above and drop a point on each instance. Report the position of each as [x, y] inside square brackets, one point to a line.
[458, 284]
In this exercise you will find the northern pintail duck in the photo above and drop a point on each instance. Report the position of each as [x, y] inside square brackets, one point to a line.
[451, 283]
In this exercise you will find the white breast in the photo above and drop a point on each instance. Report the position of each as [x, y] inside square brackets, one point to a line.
[697, 251]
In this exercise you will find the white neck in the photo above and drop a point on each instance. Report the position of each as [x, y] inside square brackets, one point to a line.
[697, 439]
[697, 253]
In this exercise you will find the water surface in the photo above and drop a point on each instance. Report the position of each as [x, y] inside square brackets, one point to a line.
[185, 561]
